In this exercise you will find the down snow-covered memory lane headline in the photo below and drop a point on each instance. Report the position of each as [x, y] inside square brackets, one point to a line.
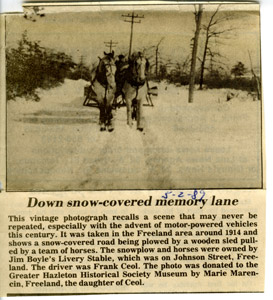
[192, 201]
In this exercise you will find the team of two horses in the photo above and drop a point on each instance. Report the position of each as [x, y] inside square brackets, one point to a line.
[134, 90]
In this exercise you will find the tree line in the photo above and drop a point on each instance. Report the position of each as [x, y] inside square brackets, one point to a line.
[30, 66]
[206, 66]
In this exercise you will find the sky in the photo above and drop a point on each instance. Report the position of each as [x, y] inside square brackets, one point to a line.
[83, 33]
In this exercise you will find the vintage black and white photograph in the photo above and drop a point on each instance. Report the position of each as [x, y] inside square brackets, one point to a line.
[134, 98]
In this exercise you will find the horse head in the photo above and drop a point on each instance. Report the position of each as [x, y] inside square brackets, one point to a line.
[140, 67]
[107, 69]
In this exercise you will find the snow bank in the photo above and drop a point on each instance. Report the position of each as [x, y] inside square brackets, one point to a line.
[208, 143]
[53, 98]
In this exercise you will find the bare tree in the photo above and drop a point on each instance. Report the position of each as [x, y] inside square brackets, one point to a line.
[212, 31]
[156, 57]
[256, 78]
[153, 57]
[198, 17]
[182, 69]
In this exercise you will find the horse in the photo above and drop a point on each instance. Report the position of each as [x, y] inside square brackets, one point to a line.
[103, 89]
[135, 88]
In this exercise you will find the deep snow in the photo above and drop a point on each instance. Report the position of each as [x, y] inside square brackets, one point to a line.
[55, 144]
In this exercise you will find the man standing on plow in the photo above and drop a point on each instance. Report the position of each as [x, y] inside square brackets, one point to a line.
[121, 65]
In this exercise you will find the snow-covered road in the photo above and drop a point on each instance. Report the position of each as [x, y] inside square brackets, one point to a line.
[55, 144]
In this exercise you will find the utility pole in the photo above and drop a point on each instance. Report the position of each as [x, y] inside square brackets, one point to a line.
[110, 45]
[133, 18]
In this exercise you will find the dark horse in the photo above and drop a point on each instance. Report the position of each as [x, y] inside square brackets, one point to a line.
[135, 88]
[103, 88]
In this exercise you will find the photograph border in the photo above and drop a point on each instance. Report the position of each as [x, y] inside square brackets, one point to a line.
[125, 3]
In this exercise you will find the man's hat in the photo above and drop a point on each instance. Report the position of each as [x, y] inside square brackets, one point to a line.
[121, 56]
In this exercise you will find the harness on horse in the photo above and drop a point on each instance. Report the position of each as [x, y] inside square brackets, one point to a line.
[102, 79]
[136, 83]
[133, 79]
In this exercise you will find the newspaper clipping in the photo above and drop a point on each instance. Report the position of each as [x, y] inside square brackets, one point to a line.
[132, 149]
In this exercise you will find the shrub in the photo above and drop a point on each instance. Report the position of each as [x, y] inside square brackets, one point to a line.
[239, 83]
[30, 66]
[80, 72]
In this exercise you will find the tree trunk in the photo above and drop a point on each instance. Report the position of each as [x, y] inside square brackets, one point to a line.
[198, 17]
[156, 62]
[203, 63]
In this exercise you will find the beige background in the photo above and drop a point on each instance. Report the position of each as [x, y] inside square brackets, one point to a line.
[267, 67]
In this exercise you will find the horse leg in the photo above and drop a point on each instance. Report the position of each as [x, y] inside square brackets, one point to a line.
[129, 95]
[123, 102]
[115, 103]
[102, 117]
[110, 98]
[139, 114]
[109, 118]
[129, 111]
[134, 109]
